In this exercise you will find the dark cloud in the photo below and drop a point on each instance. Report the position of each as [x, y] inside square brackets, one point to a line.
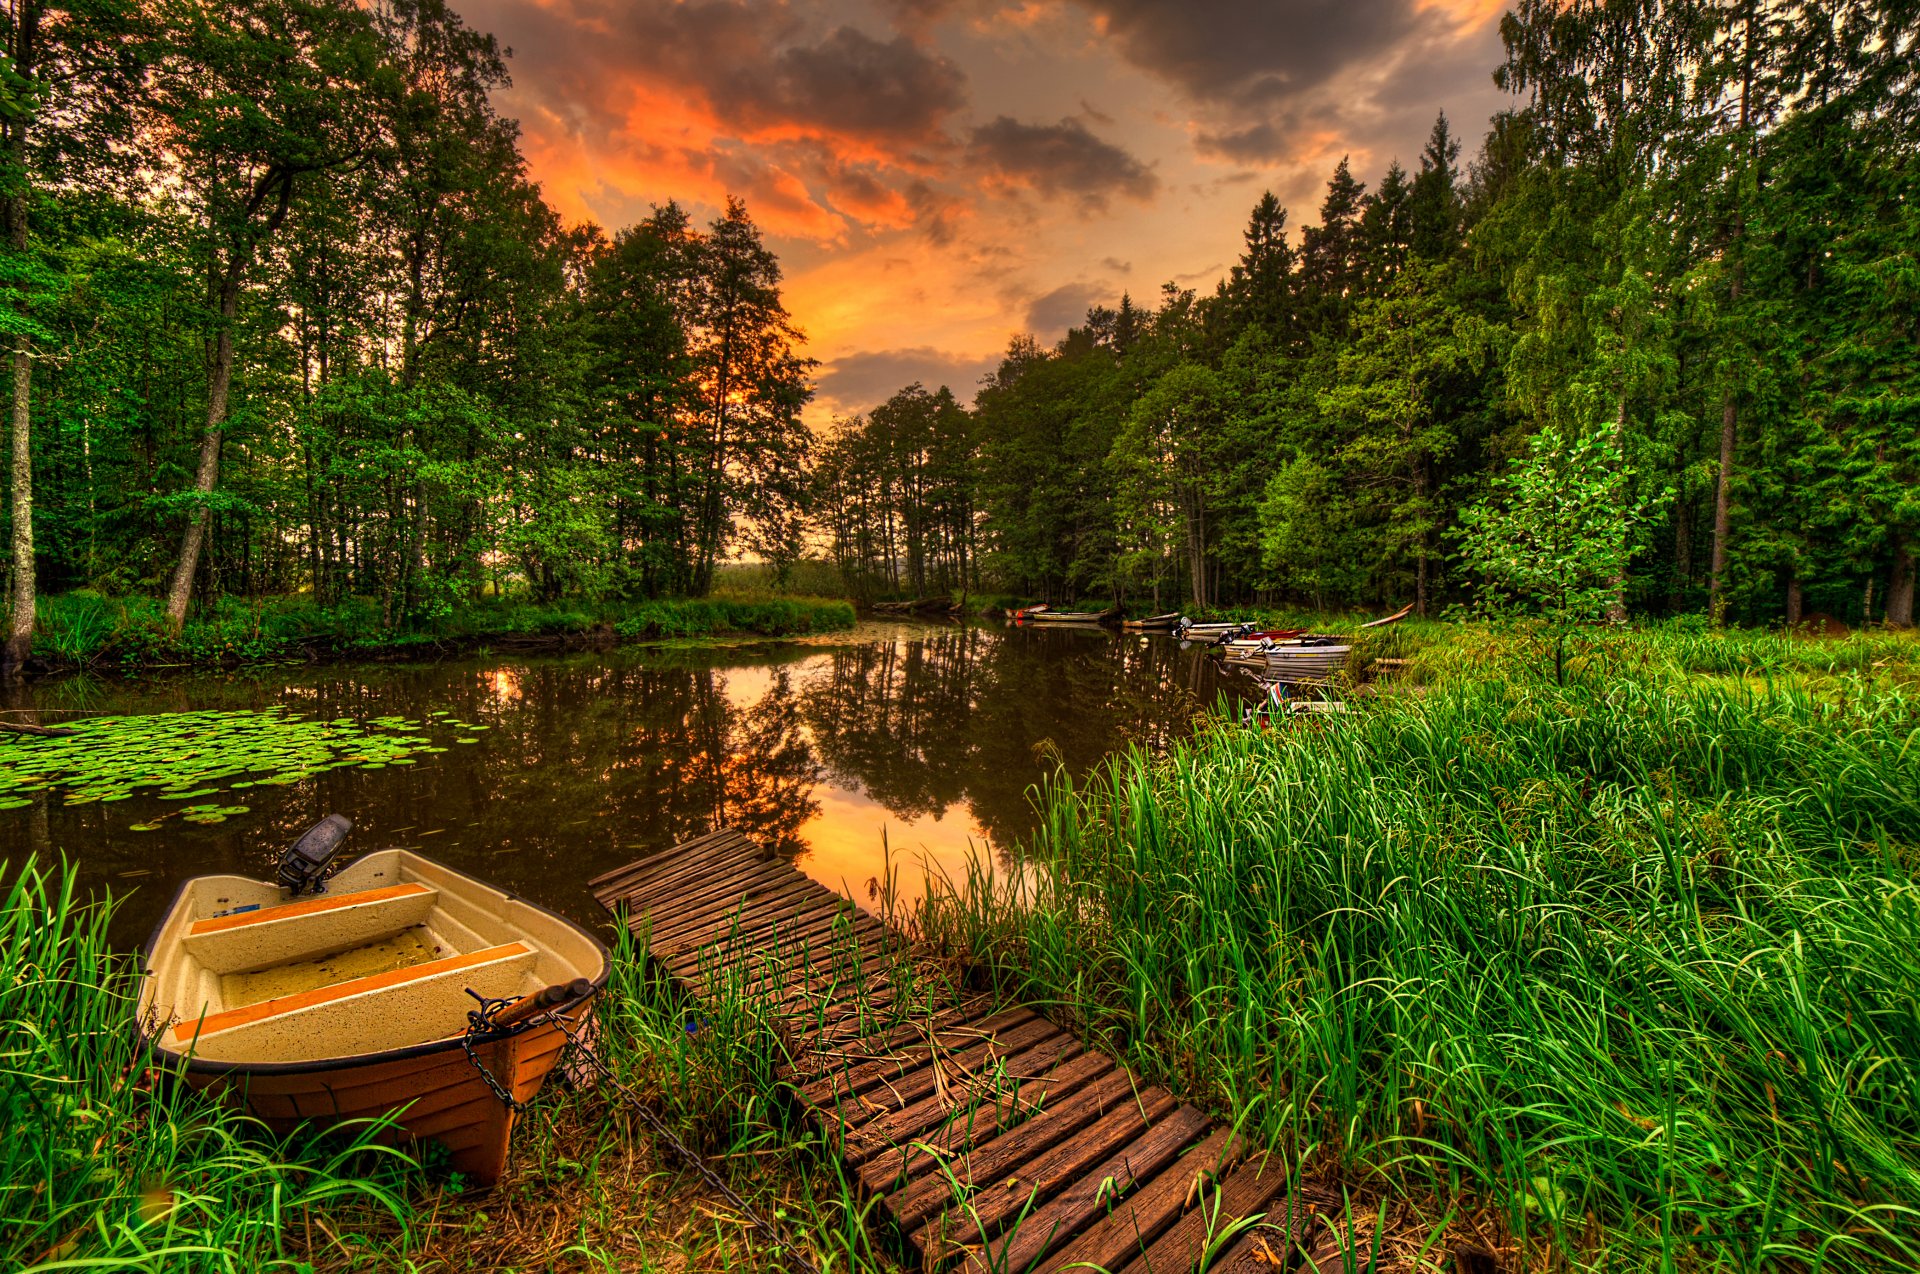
[1049, 316]
[1117, 265]
[1062, 159]
[1251, 51]
[1273, 80]
[753, 64]
[851, 82]
[1246, 145]
[857, 382]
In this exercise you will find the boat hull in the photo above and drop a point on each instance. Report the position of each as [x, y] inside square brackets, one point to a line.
[1152, 624]
[1296, 665]
[433, 1093]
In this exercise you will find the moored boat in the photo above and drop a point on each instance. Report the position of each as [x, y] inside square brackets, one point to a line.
[1207, 634]
[1153, 623]
[331, 997]
[1070, 616]
[1296, 663]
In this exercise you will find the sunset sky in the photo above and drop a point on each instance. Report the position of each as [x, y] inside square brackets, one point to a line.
[938, 175]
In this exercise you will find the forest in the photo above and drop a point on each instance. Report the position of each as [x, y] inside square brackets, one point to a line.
[1696, 242]
[289, 318]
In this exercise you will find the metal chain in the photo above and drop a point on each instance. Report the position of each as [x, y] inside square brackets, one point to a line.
[479, 1026]
[480, 1023]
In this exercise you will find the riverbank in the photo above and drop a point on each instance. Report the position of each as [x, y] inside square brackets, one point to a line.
[81, 630]
[1616, 975]
[1619, 974]
[110, 1164]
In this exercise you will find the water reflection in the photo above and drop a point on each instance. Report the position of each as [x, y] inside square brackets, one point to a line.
[932, 738]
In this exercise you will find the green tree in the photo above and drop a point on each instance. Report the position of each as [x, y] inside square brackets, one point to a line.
[1555, 538]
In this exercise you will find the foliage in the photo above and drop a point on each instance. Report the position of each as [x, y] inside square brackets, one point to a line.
[1558, 541]
[84, 628]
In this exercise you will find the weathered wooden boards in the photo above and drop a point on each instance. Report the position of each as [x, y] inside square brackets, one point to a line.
[994, 1139]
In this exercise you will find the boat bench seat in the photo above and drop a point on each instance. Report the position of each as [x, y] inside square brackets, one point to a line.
[306, 928]
[393, 1009]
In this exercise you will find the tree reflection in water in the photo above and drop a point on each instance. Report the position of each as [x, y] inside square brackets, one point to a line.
[937, 734]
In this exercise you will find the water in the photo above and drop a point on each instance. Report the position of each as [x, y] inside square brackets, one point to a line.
[931, 735]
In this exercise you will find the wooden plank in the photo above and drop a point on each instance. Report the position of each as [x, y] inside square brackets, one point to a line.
[829, 1053]
[654, 893]
[988, 1134]
[1094, 1190]
[897, 1094]
[1132, 1225]
[1245, 1190]
[858, 1079]
[813, 921]
[609, 882]
[988, 1211]
[896, 1169]
[723, 936]
[664, 919]
[670, 916]
[875, 1136]
[1291, 1224]
[991, 1160]
[649, 874]
[662, 874]
[752, 912]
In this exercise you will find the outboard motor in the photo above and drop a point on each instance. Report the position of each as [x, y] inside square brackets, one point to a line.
[308, 862]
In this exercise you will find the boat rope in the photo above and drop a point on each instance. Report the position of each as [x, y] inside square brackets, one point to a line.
[786, 1251]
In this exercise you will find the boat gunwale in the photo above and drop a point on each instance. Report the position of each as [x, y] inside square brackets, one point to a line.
[207, 1066]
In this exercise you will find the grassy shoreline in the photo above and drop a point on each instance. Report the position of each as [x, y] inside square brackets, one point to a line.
[80, 630]
[1628, 967]
[112, 1163]
[1612, 976]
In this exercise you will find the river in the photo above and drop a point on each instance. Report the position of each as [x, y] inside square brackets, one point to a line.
[931, 735]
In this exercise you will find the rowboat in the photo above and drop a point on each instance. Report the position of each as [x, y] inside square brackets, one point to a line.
[337, 996]
[1295, 663]
[1069, 616]
[1153, 623]
[1207, 634]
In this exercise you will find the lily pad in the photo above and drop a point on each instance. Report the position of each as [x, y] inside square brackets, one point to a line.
[183, 756]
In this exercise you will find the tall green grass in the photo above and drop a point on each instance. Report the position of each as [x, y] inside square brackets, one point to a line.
[111, 1164]
[1636, 960]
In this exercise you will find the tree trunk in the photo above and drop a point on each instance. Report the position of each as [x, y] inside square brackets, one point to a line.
[1900, 585]
[1617, 586]
[19, 643]
[1717, 598]
[1794, 599]
[220, 380]
[207, 473]
[1729, 411]
[1425, 480]
[1682, 555]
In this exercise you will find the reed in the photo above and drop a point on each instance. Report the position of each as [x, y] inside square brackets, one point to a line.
[1634, 961]
[108, 1163]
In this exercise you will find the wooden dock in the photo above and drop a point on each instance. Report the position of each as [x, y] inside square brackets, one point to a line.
[995, 1140]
